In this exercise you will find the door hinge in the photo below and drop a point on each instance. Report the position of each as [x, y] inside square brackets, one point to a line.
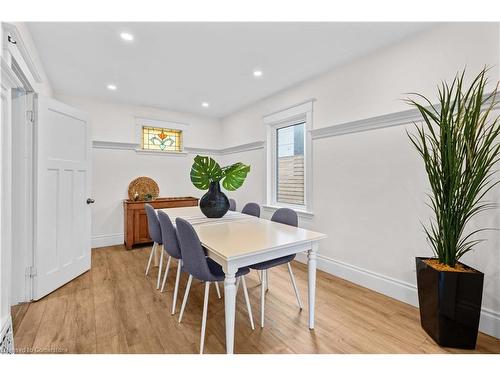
[31, 116]
[31, 271]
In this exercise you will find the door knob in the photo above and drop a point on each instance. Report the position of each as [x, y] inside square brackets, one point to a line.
[90, 201]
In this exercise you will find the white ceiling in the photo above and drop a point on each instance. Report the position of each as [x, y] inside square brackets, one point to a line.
[179, 65]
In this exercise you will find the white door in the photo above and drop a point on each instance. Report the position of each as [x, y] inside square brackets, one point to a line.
[62, 214]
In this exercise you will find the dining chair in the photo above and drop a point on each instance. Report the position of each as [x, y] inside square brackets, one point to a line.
[232, 204]
[251, 209]
[171, 246]
[204, 269]
[284, 216]
[155, 234]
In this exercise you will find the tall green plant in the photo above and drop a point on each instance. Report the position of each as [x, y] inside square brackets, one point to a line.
[458, 143]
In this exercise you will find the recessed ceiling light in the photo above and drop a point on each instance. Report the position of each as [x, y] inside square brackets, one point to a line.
[111, 87]
[127, 36]
[257, 73]
[205, 105]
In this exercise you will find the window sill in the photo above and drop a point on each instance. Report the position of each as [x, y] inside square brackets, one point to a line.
[160, 153]
[301, 213]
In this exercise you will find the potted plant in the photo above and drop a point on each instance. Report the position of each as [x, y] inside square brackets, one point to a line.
[206, 173]
[458, 142]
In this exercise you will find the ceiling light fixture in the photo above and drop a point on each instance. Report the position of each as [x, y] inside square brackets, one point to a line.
[111, 87]
[257, 73]
[205, 105]
[127, 36]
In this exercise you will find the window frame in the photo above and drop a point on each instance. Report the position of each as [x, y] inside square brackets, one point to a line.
[141, 122]
[302, 113]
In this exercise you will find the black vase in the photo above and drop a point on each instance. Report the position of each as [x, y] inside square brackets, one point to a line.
[214, 203]
[450, 305]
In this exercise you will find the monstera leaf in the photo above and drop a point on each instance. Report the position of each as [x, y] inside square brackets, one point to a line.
[205, 170]
[234, 176]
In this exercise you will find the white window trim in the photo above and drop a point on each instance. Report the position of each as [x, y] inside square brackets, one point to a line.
[142, 121]
[290, 116]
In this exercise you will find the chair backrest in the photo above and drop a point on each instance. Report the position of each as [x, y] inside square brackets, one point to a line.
[286, 216]
[169, 235]
[232, 204]
[193, 256]
[153, 224]
[251, 209]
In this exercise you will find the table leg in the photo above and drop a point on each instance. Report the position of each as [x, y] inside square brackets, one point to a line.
[230, 307]
[311, 263]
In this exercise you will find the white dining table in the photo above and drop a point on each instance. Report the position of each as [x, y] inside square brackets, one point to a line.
[238, 240]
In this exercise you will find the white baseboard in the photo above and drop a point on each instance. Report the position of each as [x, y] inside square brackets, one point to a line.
[107, 240]
[397, 289]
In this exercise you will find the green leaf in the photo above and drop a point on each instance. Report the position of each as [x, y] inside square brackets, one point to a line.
[234, 176]
[205, 170]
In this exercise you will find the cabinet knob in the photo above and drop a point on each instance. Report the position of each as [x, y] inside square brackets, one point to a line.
[90, 201]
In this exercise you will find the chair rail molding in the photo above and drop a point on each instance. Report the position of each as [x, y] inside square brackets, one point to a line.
[406, 117]
[190, 150]
[243, 147]
[114, 145]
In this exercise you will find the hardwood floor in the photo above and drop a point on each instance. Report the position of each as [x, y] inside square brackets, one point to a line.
[114, 308]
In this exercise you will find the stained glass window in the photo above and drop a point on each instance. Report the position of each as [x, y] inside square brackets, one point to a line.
[161, 139]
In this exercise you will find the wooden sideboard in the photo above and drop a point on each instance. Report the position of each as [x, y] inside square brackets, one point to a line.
[136, 221]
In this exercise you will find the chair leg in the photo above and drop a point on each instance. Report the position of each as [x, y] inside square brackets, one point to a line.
[267, 280]
[262, 297]
[176, 289]
[186, 295]
[165, 274]
[247, 301]
[217, 289]
[204, 318]
[160, 268]
[296, 290]
[237, 284]
[260, 278]
[153, 251]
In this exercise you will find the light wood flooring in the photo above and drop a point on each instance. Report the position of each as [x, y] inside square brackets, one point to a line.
[114, 308]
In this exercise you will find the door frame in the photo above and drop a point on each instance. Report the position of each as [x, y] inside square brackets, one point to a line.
[10, 81]
[23, 185]
[13, 60]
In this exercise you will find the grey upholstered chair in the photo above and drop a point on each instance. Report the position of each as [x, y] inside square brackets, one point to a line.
[232, 204]
[204, 269]
[155, 234]
[171, 246]
[251, 209]
[289, 217]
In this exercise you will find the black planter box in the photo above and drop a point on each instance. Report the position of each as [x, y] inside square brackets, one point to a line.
[450, 305]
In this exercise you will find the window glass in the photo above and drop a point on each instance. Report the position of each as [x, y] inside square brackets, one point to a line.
[290, 164]
[161, 139]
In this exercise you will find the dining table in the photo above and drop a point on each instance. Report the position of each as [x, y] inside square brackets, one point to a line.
[238, 240]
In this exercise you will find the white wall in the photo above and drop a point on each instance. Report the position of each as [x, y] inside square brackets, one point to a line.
[369, 187]
[112, 170]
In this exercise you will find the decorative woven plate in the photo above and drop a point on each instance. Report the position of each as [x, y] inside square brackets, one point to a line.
[143, 186]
